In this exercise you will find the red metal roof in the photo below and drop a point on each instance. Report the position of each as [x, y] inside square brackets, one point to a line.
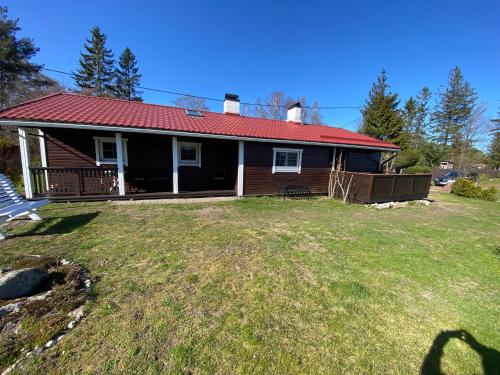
[89, 110]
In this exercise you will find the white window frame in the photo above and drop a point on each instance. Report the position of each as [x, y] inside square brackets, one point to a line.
[99, 160]
[280, 169]
[189, 163]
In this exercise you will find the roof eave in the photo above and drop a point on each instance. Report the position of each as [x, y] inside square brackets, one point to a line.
[43, 124]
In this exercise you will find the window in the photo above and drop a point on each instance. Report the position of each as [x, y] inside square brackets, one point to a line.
[189, 154]
[287, 160]
[105, 150]
[193, 112]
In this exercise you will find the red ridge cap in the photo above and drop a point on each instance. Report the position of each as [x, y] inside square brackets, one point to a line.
[74, 108]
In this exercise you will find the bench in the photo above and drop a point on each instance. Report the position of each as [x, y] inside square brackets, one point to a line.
[12, 205]
[294, 189]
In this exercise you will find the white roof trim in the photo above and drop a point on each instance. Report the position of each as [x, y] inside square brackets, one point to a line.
[41, 124]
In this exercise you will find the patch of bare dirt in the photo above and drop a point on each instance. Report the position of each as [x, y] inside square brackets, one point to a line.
[213, 212]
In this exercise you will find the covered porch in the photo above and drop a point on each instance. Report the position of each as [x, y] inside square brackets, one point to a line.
[84, 165]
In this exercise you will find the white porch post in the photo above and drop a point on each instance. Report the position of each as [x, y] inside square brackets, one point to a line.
[119, 163]
[25, 161]
[175, 167]
[334, 158]
[241, 168]
[43, 156]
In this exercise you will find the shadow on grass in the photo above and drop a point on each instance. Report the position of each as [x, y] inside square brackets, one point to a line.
[59, 225]
[490, 358]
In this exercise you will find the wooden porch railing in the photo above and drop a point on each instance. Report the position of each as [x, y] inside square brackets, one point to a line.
[74, 181]
[379, 188]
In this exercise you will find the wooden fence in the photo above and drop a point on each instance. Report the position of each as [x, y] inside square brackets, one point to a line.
[74, 181]
[379, 188]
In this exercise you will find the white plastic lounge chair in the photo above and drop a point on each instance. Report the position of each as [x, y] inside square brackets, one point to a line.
[12, 205]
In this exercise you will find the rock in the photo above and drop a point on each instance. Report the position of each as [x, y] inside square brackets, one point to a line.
[77, 313]
[7, 309]
[4, 270]
[10, 327]
[49, 343]
[39, 297]
[37, 351]
[72, 324]
[9, 369]
[20, 283]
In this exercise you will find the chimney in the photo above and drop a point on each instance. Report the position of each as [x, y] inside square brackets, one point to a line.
[232, 104]
[294, 113]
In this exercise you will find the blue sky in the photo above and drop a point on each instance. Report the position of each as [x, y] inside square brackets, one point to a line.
[330, 51]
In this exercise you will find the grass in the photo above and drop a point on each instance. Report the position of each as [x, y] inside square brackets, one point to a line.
[263, 285]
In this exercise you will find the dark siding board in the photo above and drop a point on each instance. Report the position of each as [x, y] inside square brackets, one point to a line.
[363, 161]
[219, 165]
[70, 148]
[149, 162]
[259, 179]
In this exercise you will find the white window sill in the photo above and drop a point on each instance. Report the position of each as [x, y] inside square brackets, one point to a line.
[280, 170]
[189, 165]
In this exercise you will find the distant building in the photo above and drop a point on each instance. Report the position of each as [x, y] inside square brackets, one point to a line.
[446, 164]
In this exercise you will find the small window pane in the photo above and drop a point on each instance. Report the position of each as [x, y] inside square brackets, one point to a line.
[292, 159]
[188, 153]
[108, 150]
[280, 159]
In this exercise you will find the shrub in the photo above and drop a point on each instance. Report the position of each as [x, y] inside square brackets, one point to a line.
[484, 178]
[466, 188]
[489, 194]
[417, 169]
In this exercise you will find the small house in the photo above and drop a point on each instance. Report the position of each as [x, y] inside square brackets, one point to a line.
[105, 148]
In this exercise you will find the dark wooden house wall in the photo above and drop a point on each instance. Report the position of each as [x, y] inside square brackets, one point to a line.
[219, 165]
[150, 162]
[259, 178]
[363, 161]
[315, 171]
[71, 148]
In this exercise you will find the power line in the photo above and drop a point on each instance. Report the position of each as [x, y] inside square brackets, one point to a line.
[352, 122]
[208, 98]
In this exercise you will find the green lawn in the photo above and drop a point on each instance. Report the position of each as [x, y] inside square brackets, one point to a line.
[263, 285]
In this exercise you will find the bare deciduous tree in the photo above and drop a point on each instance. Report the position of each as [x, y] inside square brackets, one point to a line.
[275, 107]
[340, 183]
[475, 131]
[191, 102]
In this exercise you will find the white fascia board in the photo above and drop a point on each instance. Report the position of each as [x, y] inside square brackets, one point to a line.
[61, 125]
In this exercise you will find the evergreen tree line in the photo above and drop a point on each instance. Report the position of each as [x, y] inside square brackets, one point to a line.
[98, 75]
[450, 130]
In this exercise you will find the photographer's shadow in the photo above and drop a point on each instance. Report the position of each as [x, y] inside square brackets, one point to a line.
[490, 358]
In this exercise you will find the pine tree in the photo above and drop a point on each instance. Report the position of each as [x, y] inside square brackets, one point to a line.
[494, 151]
[421, 130]
[96, 72]
[127, 77]
[410, 115]
[453, 110]
[381, 117]
[415, 115]
[15, 56]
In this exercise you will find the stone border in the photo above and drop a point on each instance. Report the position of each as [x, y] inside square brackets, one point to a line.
[77, 315]
[381, 206]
